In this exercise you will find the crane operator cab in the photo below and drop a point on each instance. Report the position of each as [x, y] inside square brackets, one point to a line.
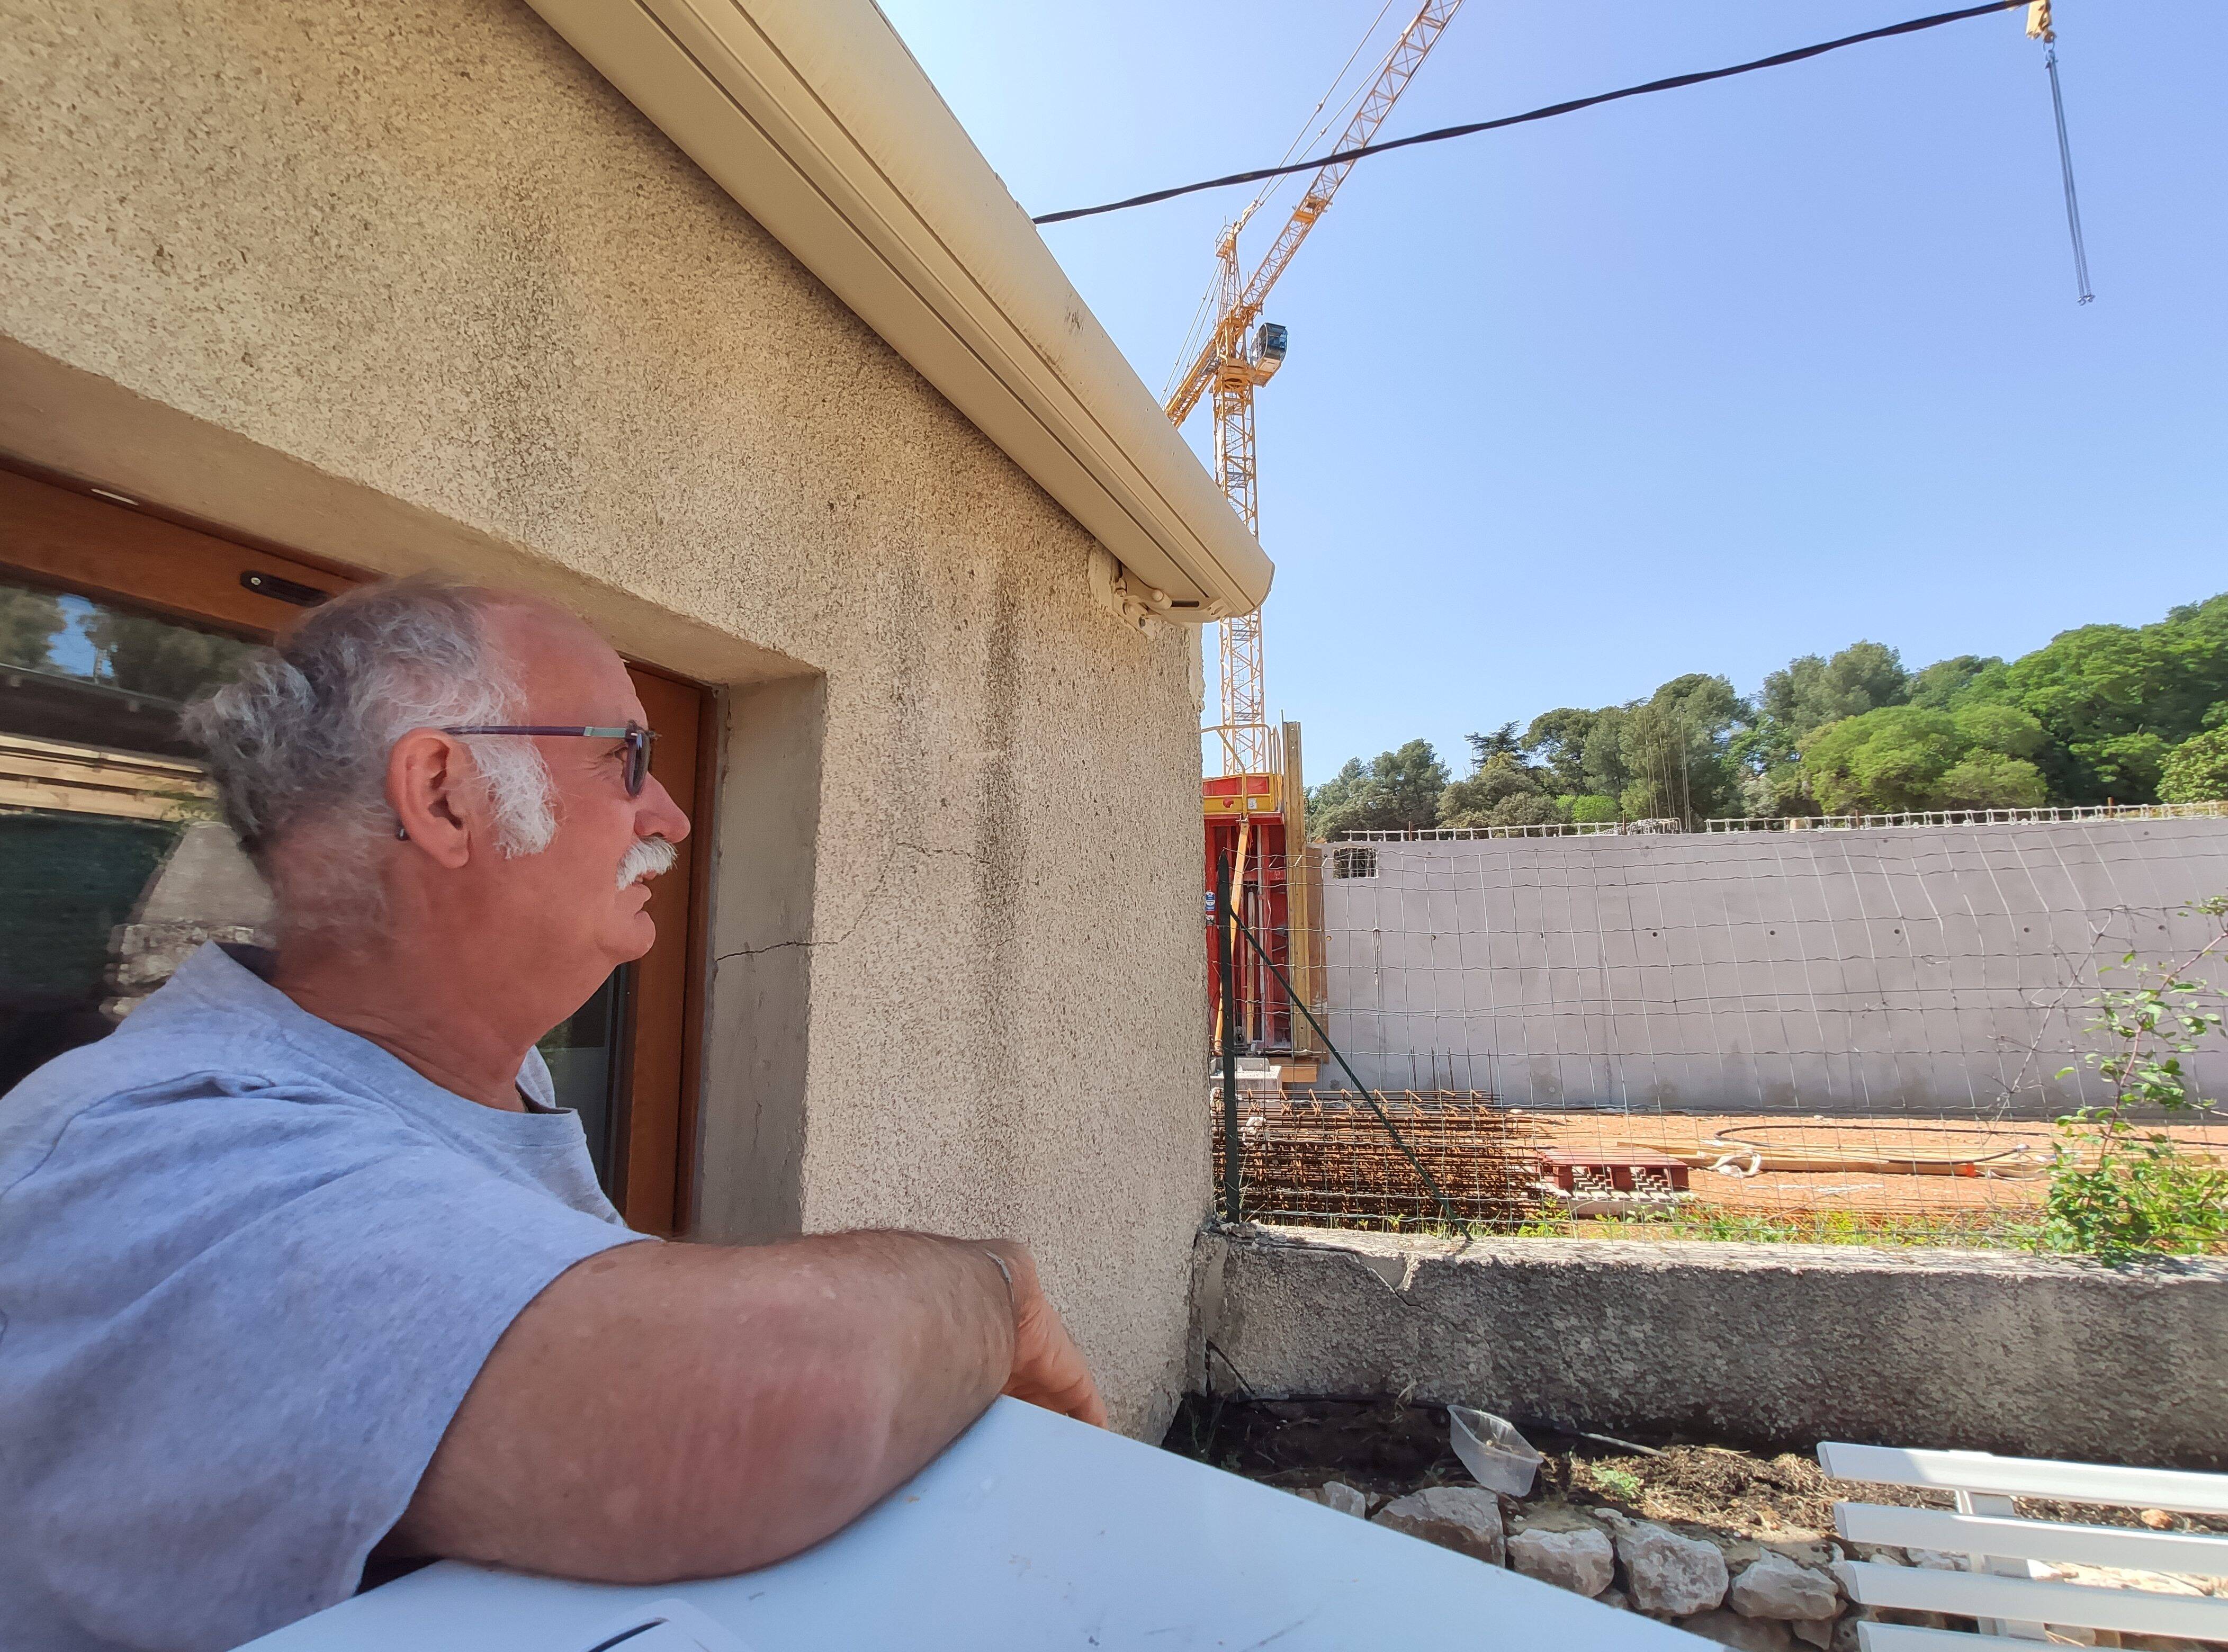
[1268, 352]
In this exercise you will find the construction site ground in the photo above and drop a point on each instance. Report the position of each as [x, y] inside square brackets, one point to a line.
[1868, 1167]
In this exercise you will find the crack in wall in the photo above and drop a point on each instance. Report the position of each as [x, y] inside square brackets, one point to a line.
[866, 905]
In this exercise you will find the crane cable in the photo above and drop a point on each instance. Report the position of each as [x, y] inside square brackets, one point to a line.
[1310, 131]
[1776, 61]
[1307, 134]
[2038, 28]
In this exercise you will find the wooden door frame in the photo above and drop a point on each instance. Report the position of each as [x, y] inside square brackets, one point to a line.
[65, 535]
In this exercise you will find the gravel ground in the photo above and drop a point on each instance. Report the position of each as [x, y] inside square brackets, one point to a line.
[1748, 1505]
[1384, 1447]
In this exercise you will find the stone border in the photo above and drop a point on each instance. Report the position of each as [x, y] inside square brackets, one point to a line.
[1757, 1345]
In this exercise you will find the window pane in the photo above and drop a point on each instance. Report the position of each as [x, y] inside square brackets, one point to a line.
[68, 883]
[585, 1054]
[89, 673]
[114, 865]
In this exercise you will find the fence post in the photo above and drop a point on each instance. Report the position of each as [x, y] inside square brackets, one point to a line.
[1226, 964]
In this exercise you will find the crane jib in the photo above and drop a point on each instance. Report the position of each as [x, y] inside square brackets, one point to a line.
[1235, 317]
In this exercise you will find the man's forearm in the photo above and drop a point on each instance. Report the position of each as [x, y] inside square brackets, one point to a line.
[677, 1411]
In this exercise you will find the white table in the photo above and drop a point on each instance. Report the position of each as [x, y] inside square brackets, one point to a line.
[1033, 1531]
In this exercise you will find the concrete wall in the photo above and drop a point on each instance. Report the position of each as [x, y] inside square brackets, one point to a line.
[1776, 1346]
[1939, 970]
[409, 285]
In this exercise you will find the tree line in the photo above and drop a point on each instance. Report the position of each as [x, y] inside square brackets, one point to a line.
[147, 656]
[2101, 714]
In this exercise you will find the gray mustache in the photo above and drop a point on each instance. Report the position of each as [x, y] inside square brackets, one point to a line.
[647, 857]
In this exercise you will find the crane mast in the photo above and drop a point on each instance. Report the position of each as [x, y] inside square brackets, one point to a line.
[1239, 356]
[1256, 822]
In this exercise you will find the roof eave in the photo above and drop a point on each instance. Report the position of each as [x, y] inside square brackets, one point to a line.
[815, 118]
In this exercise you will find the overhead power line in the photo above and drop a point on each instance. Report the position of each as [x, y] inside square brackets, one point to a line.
[1776, 61]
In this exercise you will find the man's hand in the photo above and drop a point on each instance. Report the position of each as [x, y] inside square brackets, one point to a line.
[1049, 1368]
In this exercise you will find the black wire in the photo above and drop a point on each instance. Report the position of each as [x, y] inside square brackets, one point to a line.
[1773, 62]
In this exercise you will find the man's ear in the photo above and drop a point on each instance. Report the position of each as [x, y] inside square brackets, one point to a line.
[424, 787]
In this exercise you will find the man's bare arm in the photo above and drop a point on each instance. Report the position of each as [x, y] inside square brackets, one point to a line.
[675, 1410]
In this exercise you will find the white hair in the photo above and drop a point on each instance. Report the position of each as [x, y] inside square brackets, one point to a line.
[300, 740]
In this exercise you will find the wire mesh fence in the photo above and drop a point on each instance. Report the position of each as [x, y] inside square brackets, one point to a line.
[1655, 827]
[1866, 1033]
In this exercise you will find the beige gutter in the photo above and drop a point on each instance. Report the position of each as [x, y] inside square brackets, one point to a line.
[815, 118]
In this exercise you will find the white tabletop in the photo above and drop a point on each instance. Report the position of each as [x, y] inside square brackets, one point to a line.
[1035, 1532]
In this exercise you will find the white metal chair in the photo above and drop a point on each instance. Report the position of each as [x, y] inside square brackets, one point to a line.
[2011, 1590]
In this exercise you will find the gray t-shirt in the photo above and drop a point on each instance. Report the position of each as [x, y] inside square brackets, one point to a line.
[249, 1265]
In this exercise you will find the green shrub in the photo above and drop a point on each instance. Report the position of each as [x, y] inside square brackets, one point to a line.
[2197, 770]
[2142, 1196]
[2120, 1190]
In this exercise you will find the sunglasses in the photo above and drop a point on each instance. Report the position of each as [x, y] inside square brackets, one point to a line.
[637, 737]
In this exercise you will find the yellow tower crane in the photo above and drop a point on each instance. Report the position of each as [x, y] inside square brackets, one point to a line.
[1255, 817]
[1241, 354]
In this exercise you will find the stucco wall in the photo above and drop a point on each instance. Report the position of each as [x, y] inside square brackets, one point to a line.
[1944, 970]
[422, 254]
[1773, 1345]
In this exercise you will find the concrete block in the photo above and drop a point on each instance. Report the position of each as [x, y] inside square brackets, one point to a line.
[1770, 1345]
[1922, 962]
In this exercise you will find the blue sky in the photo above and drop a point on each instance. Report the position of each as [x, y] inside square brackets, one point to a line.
[1698, 382]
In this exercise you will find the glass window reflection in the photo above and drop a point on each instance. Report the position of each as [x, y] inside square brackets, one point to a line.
[114, 865]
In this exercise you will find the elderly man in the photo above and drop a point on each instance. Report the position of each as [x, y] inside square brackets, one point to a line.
[301, 1265]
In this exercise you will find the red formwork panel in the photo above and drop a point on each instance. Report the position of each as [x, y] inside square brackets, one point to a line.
[1261, 893]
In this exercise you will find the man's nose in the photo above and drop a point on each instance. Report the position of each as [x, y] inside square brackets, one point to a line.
[657, 815]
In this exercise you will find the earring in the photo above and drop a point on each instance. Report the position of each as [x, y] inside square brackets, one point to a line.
[403, 832]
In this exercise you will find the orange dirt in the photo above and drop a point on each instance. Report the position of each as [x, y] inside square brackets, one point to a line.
[1859, 1165]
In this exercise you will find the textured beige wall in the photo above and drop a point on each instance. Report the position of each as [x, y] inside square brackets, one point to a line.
[420, 249]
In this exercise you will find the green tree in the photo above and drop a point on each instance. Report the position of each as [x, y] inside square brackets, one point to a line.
[2116, 699]
[1527, 808]
[1676, 750]
[1502, 742]
[1772, 789]
[1882, 762]
[2197, 770]
[1556, 740]
[1657, 750]
[1398, 790]
[1985, 779]
[160, 660]
[1904, 758]
[1335, 797]
[1602, 766]
[30, 622]
[1670, 754]
[1505, 792]
[1948, 684]
[2002, 729]
[1810, 692]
